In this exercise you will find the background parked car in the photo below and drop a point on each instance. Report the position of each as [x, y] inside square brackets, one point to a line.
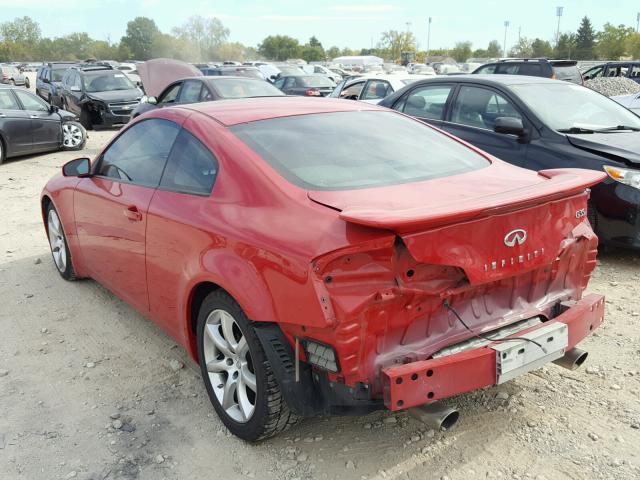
[372, 88]
[305, 85]
[49, 81]
[614, 69]
[29, 125]
[632, 102]
[207, 89]
[566, 70]
[99, 95]
[539, 124]
[10, 75]
[321, 70]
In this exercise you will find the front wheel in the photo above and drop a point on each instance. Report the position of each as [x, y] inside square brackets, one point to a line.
[58, 243]
[74, 136]
[236, 372]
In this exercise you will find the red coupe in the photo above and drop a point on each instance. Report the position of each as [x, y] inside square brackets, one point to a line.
[330, 257]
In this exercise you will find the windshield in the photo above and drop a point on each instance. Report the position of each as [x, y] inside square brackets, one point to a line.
[315, 81]
[563, 106]
[241, 72]
[288, 70]
[106, 81]
[298, 149]
[242, 88]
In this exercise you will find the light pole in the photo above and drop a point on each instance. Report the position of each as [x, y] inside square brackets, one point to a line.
[559, 11]
[429, 35]
[637, 22]
[504, 45]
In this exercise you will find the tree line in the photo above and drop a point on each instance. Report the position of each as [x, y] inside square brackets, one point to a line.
[202, 39]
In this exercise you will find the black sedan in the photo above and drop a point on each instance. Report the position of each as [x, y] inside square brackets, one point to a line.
[207, 89]
[30, 125]
[305, 85]
[539, 124]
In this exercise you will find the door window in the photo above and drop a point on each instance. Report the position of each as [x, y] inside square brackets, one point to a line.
[376, 89]
[191, 167]
[170, 95]
[479, 107]
[279, 83]
[353, 90]
[593, 73]
[487, 69]
[635, 71]
[140, 153]
[77, 81]
[427, 102]
[290, 82]
[190, 92]
[31, 102]
[8, 101]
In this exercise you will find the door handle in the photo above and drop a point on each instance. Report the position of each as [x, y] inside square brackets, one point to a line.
[132, 213]
[34, 116]
[2, 115]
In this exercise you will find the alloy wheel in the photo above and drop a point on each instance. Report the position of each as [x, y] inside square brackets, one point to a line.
[71, 135]
[57, 242]
[229, 365]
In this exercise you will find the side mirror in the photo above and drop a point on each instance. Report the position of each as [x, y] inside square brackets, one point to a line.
[152, 100]
[509, 126]
[273, 77]
[46, 80]
[80, 167]
[53, 109]
[75, 89]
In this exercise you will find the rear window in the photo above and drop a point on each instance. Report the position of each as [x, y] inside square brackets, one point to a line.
[346, 150]
[568, 73]
[241, 88]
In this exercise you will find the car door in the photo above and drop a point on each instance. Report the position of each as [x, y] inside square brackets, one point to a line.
[111, 208]
[174, 240]
[46, 132]
[74, 93]
[427, 102]
[472, 117]
[15, 124]
[289, 86]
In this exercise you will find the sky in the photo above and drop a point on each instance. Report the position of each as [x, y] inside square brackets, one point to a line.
[346, 23]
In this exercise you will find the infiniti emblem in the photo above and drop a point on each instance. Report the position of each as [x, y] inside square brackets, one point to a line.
[515, 237]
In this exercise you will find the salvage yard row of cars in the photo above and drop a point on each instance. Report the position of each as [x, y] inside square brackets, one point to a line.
[432, 236]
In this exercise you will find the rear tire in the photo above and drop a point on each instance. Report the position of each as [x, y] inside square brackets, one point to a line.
[27, 82]
[240, 360]
[59, 247]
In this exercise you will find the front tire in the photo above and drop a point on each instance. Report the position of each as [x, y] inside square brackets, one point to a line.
[74, 136]
[58, 243]
[236, 373]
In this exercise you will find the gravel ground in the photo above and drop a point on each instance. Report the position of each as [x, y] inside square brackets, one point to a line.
[89, 389]
[613, 86]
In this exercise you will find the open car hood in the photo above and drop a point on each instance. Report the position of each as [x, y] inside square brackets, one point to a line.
[158, 73]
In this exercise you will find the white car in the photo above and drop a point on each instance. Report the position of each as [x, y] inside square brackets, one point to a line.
[320, 70]
[632, 102]
[372, 88]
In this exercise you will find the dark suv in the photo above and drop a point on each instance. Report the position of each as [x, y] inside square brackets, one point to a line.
[49, 81]
[99, 95]
[566, 70]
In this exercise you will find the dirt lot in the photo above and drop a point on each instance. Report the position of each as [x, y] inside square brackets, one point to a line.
[76, 363]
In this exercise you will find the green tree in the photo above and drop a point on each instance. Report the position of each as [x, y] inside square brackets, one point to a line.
[333, 52]
[494, 50]
[566, 48]
[21, 30]
[279, 47]
[393, 43]
[522, 49]
[461, 51]
[585, 40]
[611, 41]
[541, 48]
[633, 45]
[312, 51]
[139, 38]
[207, 34]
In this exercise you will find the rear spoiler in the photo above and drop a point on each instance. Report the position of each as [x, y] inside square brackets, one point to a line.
[559, 183]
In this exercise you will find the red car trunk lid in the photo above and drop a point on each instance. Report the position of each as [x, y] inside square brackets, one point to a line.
[492, 227]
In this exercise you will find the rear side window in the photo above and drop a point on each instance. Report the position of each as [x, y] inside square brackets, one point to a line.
[487, 69]
[332, 151]
[190, 92]
[191, 167]
[427, 102]
[568, 73]
[377, 89]
[7, 100]
[140, 153]
[31, 102]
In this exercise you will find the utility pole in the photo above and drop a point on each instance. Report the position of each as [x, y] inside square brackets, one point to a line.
[559, 11]
[637, 22]
[429, 34]
[519, 34]
[504, 49]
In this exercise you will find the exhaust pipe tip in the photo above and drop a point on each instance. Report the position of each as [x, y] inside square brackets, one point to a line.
[436, 415]
[573, 359]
